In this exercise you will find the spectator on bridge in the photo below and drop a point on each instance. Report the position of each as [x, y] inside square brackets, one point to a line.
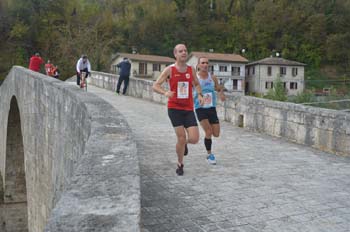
[56, 72]
[83, 65]
[181, 80]
[50, 68]
[35, 62]
[206, 113]
[124, 73]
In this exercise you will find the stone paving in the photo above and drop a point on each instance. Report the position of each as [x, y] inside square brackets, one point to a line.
[260, 183]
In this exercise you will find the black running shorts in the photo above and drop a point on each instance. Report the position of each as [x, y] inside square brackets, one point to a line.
[182, 118]
[207, 113]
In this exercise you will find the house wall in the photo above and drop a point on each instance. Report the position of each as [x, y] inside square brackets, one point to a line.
[193, 61]
[135, 68]
[225, 77]
[257, 81]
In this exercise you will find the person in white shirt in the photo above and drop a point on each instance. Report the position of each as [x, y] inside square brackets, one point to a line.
[83, 65]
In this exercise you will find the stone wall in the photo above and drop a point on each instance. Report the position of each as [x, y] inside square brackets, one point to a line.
[81, 166]
[327, 130]
[324, 129]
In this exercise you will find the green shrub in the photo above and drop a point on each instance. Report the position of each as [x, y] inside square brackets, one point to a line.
[304, 97]
[277, 93]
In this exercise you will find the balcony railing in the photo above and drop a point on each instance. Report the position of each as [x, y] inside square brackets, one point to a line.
[234, 75]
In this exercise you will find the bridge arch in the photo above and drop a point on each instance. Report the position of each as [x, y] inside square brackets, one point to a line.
[14, 190]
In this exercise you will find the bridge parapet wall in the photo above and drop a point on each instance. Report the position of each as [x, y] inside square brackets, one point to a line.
[81, 165]
[327, 130]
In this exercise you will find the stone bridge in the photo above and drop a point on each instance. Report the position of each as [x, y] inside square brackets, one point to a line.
[74, 161]
[68, 159]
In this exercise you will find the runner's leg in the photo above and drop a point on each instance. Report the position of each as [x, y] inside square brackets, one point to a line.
[180, 144]
[216, 129]
[208, 133]
[193, 134]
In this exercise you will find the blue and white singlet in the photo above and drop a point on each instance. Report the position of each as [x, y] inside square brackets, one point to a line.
[208, 91]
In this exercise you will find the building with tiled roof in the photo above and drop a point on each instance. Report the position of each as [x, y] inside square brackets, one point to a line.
[220, 57]
[277, 61]
[261, 75]
[228, 68]
[144, 66]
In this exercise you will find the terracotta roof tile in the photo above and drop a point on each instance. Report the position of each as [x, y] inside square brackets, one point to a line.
[220, 57]
[150, 58]
[277, 61]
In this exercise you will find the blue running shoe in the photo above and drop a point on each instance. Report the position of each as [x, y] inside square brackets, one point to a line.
[211, 159]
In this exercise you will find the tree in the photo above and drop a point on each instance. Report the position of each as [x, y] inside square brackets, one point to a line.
[278, 92]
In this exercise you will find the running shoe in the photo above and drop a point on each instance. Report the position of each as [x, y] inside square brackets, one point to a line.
[186, 150]
[180, 170]
[211, 159]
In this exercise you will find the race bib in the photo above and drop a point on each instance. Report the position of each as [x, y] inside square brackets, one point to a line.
[183, 89]
[208, 100]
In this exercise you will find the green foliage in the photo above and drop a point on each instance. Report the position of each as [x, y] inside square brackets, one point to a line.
[304, 97]
[316, 80]
[18, 31]
[315, 32]
[277, 93]
[254, 94]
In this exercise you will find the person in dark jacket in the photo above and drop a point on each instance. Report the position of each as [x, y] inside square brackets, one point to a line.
[124, 74]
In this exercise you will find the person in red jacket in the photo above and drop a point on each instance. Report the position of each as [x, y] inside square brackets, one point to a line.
[35, 62]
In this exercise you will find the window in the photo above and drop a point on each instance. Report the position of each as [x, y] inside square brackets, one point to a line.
[156, 67]
[247, 70]
[294, 72]
[268, 85]
[115, 69]
[293, 85]
[236, 71]
[283, 71]
[142, 68]
[223, 68]
[235, 84]
[211, 68]
[284, 85]
[253, 70]
[269, 71]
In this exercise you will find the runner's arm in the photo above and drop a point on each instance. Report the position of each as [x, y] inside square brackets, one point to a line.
[157, 85]
[219, 89]
[196, 84]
